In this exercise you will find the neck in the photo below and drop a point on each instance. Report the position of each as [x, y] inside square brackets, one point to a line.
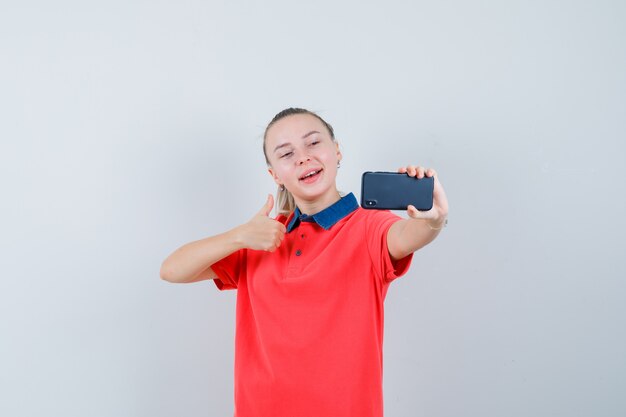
[311, 207]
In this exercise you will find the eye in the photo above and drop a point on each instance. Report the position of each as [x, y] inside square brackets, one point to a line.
[315, 142]
[287, 155]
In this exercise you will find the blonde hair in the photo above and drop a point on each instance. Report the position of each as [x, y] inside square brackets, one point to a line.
[285, 202]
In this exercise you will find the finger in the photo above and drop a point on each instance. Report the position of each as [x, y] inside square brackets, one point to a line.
[420, 172]
[402, 170]
[267, 208]
[280, 231]
[411, 170]
[412, 211]
[278, 240]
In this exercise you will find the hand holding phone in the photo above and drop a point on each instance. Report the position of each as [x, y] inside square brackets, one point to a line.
[396, 191]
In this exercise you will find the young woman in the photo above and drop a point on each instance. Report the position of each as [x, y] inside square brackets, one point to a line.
[310, 282]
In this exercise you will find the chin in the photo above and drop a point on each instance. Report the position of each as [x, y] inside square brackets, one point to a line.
[313, 194]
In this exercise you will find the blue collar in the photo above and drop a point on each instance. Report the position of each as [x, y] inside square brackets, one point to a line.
[327, 217]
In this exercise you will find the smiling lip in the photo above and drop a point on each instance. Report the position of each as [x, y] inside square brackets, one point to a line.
[304, 176]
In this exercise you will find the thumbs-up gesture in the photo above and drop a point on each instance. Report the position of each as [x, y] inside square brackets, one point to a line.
[262, 232]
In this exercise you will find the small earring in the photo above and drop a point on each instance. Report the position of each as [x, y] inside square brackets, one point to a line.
[282, 188]
[338, 164]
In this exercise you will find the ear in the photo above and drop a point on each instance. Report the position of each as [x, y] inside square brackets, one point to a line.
[339, 154]
[274, 176]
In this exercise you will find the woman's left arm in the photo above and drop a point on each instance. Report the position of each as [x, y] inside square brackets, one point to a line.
[422, 227]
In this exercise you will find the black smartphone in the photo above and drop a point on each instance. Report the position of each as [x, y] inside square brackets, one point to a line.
[395, 191]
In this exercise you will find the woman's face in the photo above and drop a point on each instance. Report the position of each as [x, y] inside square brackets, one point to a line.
[303, 157]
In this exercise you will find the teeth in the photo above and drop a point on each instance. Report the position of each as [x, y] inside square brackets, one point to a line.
[311, 174]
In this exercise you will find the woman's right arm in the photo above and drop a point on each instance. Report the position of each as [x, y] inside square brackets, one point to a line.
[192, 262]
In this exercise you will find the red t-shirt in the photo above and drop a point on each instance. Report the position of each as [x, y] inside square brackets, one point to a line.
[310, 319]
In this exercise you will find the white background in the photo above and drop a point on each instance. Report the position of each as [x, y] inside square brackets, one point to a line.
[129, 128]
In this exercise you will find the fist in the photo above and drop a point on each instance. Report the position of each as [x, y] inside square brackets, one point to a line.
[263, 232]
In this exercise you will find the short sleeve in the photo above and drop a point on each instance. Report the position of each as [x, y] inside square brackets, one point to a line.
[229, 269]
[379, 223]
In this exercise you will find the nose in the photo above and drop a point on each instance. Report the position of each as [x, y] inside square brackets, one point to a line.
[303, 158]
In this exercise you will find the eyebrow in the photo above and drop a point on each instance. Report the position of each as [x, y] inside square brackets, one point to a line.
[288, 143]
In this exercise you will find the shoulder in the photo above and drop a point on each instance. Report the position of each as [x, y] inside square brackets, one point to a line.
[377, 222]
[371, 221]
[376, 215]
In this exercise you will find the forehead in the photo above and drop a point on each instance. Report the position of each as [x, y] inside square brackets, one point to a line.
[293, 127]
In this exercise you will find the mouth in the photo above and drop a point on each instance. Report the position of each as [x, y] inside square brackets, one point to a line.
[311, 175]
